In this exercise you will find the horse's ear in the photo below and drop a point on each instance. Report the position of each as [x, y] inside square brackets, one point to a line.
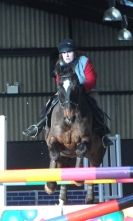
[60, 67]
[73, 67]
[57, 68]
[64, 69]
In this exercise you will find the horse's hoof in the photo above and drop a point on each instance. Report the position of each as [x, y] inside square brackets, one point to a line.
[50, 187]
[61, 202]
[47, 190]
[89, 199]
[78, 183]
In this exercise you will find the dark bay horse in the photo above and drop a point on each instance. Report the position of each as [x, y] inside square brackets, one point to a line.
[71, 134]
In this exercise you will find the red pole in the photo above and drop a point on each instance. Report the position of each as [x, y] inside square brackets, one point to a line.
[97, 210]
[94, 211]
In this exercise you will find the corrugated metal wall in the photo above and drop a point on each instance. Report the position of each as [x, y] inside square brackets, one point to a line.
[114, 69]
[33, 73]
[28, 27]
[95, 35]
[119, 109]
[23, 27]
[21, 112]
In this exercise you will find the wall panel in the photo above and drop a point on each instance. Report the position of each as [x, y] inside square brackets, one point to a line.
[33, 74]
[20, 113]
[27, 27]
[114, 69]
[119, 109]
[89, 34]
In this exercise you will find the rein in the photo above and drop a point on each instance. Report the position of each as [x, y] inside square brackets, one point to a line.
[62, 104]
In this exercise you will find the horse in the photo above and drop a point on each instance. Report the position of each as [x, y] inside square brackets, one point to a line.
[71, 133]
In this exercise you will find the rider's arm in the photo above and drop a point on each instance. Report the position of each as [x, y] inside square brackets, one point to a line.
[86, 73]
[90, 76]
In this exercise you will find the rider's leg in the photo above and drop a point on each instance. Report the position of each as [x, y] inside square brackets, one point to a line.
[101, 129]
[106, 141]
[35, 129]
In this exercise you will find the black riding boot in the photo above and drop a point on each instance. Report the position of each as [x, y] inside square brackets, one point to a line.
[103, 131]
[107, 142]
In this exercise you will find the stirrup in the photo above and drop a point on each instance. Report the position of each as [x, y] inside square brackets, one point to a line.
[31, 131]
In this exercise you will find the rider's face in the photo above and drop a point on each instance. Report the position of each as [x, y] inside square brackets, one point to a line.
[68, 56]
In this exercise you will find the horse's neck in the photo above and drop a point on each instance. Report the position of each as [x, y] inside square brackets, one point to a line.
[58, 111]
[84, 104]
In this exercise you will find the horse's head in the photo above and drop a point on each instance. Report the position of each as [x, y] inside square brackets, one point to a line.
[69, 93]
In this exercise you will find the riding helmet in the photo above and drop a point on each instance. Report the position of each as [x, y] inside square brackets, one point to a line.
[66, 45]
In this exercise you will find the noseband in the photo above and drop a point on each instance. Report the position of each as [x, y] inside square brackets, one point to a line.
[63, 104]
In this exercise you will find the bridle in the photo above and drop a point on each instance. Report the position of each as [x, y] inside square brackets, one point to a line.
[70, 77]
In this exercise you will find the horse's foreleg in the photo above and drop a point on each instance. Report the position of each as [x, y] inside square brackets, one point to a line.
[80, 153]
[54, 154]
[79, 161]
[89, 199]
[63, 195]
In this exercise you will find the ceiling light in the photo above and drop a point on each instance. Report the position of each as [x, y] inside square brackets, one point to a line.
[112, 14]
[124, 33]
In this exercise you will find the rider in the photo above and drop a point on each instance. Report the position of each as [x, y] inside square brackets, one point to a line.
[87, 77]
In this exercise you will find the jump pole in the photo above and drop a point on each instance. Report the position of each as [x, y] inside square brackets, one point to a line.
[97, 210]
[98, 181]
[64, 174]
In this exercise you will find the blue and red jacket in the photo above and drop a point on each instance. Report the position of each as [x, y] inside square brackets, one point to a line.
[85, 72]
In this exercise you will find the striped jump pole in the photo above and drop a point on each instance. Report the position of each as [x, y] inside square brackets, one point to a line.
[98, 210]
[65, 174]
[70, 182]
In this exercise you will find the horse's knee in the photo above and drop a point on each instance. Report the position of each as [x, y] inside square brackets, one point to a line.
[54, 154]
[82, 149]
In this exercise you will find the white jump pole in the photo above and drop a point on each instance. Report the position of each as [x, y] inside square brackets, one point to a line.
[3, 150]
